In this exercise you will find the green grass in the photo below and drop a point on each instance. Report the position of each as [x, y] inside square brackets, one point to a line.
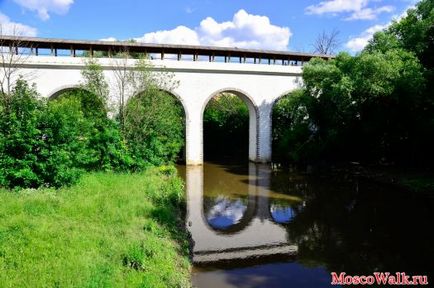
[110, 230]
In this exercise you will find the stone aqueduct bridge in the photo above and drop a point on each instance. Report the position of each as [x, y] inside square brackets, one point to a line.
[258, 77]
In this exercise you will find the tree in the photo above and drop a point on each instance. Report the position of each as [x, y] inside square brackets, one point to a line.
[327, 43]
[122, 74]
[40, 144]
[154, 127]
[12, 57]
[94, 82]
[154, 120]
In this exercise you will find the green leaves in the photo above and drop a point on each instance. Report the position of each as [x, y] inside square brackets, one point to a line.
[362, 107]
[154, 127]
[226, 120]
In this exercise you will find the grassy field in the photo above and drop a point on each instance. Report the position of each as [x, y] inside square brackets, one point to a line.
[110, 230]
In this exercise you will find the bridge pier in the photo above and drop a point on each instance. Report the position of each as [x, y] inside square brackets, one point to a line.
[194, 138]
[259, 135]
[263, 154]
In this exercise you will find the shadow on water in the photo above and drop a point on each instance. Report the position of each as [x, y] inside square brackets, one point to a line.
[257, 227]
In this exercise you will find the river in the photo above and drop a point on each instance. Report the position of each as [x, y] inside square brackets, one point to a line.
[256, 225]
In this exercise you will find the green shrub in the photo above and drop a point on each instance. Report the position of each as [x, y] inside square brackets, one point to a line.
[40, 144]
[154, 127]
[105, 148]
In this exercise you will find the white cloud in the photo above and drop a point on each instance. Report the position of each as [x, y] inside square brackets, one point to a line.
[109, 39]
[369, 13]
[336, 6]
[179, 35]
[357, 9]
[8, 27]
[357, 44]
[44, 7]
[244, 31]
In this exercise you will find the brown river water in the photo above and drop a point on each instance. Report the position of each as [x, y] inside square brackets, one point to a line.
[253, 225]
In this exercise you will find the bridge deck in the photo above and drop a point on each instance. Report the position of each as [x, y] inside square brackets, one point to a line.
[197, 53]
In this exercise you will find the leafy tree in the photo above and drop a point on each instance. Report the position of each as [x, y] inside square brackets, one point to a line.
[356, 108]
[293, 128]
[154, 119]
[94, 103]
[154, 127]
[40, 144]
[106, 149]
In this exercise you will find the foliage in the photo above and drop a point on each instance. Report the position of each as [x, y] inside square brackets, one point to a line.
[154, 120]
[226, 120]
[39, 144]
[95, 83]
[377, 106]
[292, 128]
[109, 230]
[51, 143]
[357, 108]
[154, 127]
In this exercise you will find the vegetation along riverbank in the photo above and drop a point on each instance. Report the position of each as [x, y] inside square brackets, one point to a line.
[109, 230]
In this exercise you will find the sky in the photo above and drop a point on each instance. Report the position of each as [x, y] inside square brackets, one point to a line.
[255, 24]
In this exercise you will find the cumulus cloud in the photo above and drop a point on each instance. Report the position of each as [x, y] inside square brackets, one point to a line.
[243, 31]
[44, 7]
[358, 43]
[8, 27]
[357, 9]
[179, 35]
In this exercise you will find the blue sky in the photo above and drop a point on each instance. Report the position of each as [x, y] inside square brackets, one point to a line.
[273, 24]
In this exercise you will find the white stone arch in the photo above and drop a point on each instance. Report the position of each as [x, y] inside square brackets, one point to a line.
[174, 95]
[59, 90]
[273, 103]
[253, 117]
[281, 95]
[187, 117]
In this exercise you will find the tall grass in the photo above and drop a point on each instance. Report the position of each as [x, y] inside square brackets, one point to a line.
[109, 230]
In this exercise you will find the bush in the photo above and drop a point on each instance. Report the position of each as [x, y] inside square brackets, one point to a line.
[154, 127]
[105, 148]
[40, 144]
[293, 129]
[51, 143]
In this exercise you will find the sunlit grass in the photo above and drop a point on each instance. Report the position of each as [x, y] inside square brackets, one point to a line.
[110, 230]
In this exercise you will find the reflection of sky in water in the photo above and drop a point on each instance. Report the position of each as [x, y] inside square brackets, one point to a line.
[281, 214]
[225, 212]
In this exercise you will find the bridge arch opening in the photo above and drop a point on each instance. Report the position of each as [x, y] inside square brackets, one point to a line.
[161, 116]
[230, 120]
[91, 105]
[290, 120]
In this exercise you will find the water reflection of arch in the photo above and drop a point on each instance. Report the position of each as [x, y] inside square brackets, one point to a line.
[247, 216]
[260, 237]
[289, 214]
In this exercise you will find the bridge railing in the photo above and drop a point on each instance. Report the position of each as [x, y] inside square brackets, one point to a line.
[104, 49]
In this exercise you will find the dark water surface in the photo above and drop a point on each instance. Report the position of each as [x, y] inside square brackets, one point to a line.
[254, 226]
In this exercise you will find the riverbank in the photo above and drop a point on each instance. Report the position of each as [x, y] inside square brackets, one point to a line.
[109, 230]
